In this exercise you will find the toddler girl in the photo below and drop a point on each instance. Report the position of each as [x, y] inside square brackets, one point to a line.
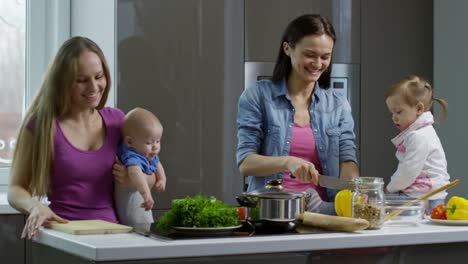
[422, 166]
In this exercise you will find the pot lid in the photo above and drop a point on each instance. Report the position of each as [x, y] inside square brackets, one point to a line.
[274, 190]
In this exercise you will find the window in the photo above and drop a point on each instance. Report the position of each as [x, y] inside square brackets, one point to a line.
[31, 32]
[12, 77]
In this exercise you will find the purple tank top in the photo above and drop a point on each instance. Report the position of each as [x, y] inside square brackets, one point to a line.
[81, 185]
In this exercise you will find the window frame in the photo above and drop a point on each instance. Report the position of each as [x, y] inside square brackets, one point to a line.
[47, 26]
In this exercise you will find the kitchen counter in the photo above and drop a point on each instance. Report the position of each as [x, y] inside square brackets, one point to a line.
[132, 246]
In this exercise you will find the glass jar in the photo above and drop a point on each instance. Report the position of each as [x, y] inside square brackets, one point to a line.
[368, 201]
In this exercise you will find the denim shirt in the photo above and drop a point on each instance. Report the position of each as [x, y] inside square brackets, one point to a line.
[264, 126]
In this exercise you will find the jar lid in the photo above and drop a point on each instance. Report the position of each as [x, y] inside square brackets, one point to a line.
[368, 182]
[274, 190]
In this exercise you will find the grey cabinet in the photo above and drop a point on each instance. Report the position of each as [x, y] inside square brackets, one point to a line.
[12, 247]
[183, 60]
[265, 21]
[46, 254]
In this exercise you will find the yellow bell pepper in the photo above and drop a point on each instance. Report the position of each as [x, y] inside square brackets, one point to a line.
[457, 208]
[343, 203]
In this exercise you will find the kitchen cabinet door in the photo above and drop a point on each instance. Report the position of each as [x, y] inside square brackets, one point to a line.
[12, 247]
[183, 60]
[265, 21]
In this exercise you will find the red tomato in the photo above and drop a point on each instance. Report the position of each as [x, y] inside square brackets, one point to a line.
[241, 213]
[439, 212]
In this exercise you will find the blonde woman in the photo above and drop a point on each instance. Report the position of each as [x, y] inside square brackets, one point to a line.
[68, 141]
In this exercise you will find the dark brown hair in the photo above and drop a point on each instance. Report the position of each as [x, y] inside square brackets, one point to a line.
[305, 25]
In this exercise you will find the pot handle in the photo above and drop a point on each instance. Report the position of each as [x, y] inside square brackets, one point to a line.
[246, 201]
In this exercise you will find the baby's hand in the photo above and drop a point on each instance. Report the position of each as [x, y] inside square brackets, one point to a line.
[160, 186]
[148, 201]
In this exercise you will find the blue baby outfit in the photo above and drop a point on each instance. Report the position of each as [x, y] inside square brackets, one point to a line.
[129, 157]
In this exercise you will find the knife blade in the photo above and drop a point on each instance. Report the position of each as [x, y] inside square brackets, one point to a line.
[150, 234]
[335, 183]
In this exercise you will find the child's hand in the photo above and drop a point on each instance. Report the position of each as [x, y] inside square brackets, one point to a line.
[160, 186]
[148, 201]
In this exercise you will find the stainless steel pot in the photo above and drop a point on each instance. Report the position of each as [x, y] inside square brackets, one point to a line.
[273, 206]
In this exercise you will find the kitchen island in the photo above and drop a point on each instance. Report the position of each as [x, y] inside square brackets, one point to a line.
[409, 244]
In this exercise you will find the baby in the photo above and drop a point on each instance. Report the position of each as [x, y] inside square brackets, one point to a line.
[139, 151]
[422, 166]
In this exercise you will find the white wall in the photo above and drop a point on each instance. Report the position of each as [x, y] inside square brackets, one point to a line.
[96, 20]
[51, 22]
[450, 83]
[48, 27]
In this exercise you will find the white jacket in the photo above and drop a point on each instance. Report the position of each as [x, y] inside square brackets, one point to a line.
[422, 165]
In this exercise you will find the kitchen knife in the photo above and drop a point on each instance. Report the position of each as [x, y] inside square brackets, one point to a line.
[333, 182]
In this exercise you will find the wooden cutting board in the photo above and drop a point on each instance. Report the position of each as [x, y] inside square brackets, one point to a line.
[90, 227]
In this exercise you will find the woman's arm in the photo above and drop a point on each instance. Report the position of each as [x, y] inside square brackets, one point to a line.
[258, 165]
[18, 195]
[348, 160]
[348, 170]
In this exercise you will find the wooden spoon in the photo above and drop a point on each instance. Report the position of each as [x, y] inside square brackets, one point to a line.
[422, 197]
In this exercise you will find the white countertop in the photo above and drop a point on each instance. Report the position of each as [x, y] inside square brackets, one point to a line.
[134, 246]
[5, 208]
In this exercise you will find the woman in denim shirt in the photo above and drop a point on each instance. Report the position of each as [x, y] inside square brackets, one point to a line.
[294, 123]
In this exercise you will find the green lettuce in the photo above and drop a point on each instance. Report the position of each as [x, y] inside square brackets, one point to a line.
[198, 211]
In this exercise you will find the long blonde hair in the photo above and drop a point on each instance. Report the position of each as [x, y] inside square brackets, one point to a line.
[414, 89]
[53, 101]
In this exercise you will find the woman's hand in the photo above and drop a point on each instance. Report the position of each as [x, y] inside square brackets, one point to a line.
[120, 173]
[39, 215]
[303, 170]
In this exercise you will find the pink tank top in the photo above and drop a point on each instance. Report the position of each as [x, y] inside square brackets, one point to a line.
[303, 146]
[81, 185]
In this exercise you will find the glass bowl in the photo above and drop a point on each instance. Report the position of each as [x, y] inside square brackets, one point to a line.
[408, 214]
